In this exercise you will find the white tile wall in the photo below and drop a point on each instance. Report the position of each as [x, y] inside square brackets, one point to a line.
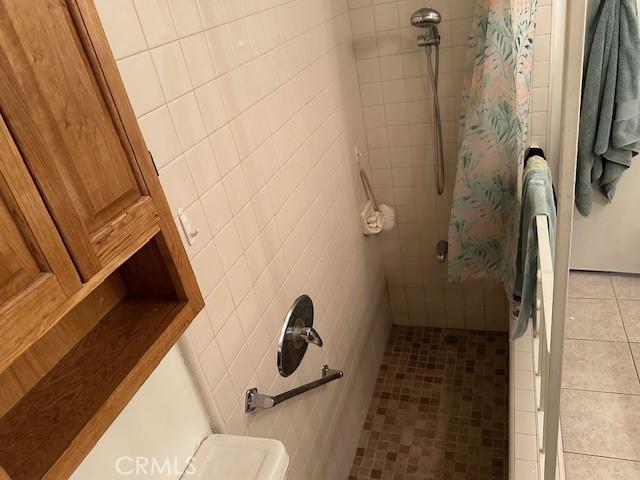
[523, 449]
[250, 110]
[541, 80]
[397, 112]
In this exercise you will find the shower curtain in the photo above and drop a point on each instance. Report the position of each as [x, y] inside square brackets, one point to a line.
[491, 142]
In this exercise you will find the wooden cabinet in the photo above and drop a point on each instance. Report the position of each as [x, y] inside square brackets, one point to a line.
[36, 273]
[95, 286]
[60, 109]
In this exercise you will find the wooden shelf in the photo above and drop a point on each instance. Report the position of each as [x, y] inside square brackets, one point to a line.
[40, 429]
[69, 387]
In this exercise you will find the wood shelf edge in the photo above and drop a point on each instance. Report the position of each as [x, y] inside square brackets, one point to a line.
[120, 397]
[6, 358]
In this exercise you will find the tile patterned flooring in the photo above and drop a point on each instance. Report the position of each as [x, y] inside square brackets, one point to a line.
[439, 410]
[600, 401]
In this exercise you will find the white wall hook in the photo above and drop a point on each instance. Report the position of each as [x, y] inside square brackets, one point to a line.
[189, 232]
[357, 154]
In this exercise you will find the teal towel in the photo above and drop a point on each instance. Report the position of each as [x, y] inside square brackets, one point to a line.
[610, 112]
[537, 199]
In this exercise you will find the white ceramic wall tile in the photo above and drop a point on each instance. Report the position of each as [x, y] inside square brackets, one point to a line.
[526, 470]
[543, 20]
[525, 447]
[211, 106]
[243, 135]
[121, 27]
[186, 16]
[239, 279]
[386, 16]
[250, 111]
[198, 59]
[212, 363]
[228, 245]
[156, 20]
[178, 184]
[540, 74]
[160, 136]
[236, 188]
[172, 70]
[369, 70]
[207, 268]
[141, 81]
[221, 49]
[232, 9]
[216, 207]
[362, 20]
[210, 12]
[230, 339]
[247, 225]
[200, 333]
[240, 41]
[372, 94]
[203, 166]
[187, 120]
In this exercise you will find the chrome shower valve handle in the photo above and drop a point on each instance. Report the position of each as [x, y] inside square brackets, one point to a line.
[310, 335]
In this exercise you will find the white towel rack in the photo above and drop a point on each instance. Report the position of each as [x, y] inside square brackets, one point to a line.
[542, 329]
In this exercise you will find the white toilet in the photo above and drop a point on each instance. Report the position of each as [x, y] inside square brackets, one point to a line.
[158, 432]
[231, 457]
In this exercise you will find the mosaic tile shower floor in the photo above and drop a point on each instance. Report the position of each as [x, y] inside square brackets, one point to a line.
[439, 410]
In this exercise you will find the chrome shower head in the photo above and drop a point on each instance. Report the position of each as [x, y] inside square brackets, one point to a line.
[425, 18]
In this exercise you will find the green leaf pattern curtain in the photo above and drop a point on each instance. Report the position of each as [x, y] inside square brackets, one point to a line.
[491, 143]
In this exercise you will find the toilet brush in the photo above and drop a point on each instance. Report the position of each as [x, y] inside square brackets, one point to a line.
[388, 217]
[387, 213]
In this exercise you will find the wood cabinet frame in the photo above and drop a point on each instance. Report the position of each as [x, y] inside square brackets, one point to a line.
[94, 279]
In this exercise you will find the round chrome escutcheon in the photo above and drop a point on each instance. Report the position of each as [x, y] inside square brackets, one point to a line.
[292, 345]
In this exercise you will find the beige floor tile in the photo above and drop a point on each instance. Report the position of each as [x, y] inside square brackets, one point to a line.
[626, 287]
[630, 310]
[602, 424]
[594, 319]
[600, 366]
[590, 285]
[585, 467]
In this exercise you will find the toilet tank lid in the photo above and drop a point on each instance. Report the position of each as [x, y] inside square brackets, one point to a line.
[235, 457]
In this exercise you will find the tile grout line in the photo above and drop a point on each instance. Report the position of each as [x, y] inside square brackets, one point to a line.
[600, 456]
[608, 392]
[624, 327]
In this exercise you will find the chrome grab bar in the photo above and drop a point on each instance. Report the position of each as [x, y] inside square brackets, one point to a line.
[255, 400]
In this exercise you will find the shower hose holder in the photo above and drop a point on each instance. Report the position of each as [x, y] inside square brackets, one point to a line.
[430, 38]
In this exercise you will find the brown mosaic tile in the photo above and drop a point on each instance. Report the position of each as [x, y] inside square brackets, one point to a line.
[439, 411]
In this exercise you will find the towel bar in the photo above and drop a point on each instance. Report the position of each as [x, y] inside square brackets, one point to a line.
[255, 400]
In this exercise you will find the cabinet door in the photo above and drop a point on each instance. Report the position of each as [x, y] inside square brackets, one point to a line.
[36, 272]
[61, 112]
